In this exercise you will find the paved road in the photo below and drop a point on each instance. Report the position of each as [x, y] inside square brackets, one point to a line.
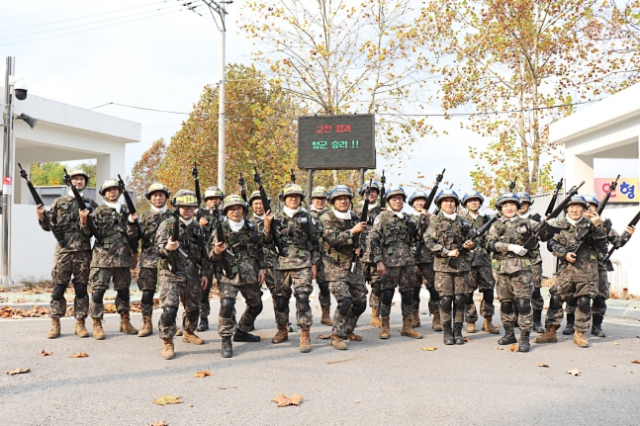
[374, 382]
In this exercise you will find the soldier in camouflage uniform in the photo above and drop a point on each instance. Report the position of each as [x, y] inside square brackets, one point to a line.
[346, 280]
[368, 265]
[445, 237]
[181, 275]
[481, 276]
[297, 266]
[246, 273]
[113, 258]
[424, 265]
[72, 256]
[318, 207]
[576, 245]
[537, 302]
[391, 241]
[150, 221]
[209, 217]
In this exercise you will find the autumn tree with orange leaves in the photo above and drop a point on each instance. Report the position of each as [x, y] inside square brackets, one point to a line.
[144, 172]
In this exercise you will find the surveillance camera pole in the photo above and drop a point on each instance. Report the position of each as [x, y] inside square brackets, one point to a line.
[7, 175]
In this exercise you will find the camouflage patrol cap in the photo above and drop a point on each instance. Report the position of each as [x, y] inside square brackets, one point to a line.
[212, 192]
[109, 183]
[154, 187]
[184, 198]
[80, 172]
[255, 195]
[292, 189]
[234, 200]
[319, 192]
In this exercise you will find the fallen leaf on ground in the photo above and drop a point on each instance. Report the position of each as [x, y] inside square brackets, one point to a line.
[190, 405]
[341, 361]
[162, 423]
[636, 361]
[612, 365]
[18, 370]
[227, 387]
[323, 336]
[513, 347]
[21, 300]
[574, 372]
[357, 401]
[168, 399]
[498, 349]
[283, 401]
[543, 365]
[427, 348]
[79, 355]
[45, 353]
[616, 343]
[201, 374]
[467, 339]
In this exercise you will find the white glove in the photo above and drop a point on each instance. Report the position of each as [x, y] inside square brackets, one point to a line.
[517, 249]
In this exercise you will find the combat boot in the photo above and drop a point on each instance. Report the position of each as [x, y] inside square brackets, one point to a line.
[352, 337]
[471, 327]
[204, 324]
[489, 327]
[447, 338]
[596, 327]
[326, 316]
[55, 329]
[147, 326]
[81, 329]
[569, 329]
[98, 332]
[385, 328]
[549, 336]
[435, 322]
[168, 351]
[524, 345]
[281, 335]
[537, 321]
[509, 337]
[338, 343]
[190, 337]
[125, 324]
[457, 333]
[241, 336]
[305, 339]
[580, 340]
[227, 348]
[178, 332]
[415, 318]
[375, 318]
[408, 331]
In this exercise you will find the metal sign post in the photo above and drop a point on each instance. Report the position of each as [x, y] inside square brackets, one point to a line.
[7, 175]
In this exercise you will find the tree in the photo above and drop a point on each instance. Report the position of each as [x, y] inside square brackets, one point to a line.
[145, 170]
[52, 174]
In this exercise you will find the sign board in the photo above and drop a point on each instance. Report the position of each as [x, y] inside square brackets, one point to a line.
[626, 192]
[330, 142]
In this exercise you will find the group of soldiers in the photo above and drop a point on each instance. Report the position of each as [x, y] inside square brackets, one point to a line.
[238, 245]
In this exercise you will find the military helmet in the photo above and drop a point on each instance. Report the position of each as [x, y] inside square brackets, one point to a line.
[374, 185]
[319, 192]
[154, 187]
[592, 200]
[80, 172]
[110, 183]
[233, 200]
[184, 198]
[578, 199]
[396, 190]
[525, 198]
[416, 195]
[338, 191]
[212, 192]
[473, 195]
[509, 196]
[255, 195]
[447, 193]
[292, 189]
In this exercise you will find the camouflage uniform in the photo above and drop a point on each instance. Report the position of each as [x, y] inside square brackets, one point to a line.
[323, 284]
[481, 277]
[269, 256]
[73, 257]
[424, 270]
[211, 268]
[368, 265]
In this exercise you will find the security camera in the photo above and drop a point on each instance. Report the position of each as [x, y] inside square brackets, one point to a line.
[20, 88]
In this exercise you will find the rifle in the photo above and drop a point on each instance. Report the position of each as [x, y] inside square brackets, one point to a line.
[363, 218]
[243, 188]
[474, 236]
[545, 228]
[512, 185]
[623, 238]
[554, 199]
[427, 205]
[293, 176]
[179, 255]
[194, 173]
[267, 207]
[604, 202]
[82, 206]
[228, 258]
[383, 192]
[39, 202]
[132, 210]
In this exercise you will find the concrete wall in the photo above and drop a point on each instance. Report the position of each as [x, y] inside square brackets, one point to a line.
[32, 248]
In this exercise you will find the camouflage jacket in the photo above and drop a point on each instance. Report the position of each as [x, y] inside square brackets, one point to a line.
[534, 253]
[423, 224]
[506, 231]
[337, 246]
[246, 245]
[268, 252]
[299, 237]
[191, 240]
[150, 222]
[212, 221]
[444, 235]
[585, 268]
[64, 216]
[479, 255]
[116, 232]
[612, 238]
[391, 239]
[374, 211]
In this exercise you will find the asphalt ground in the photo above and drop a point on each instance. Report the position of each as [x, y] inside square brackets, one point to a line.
[374, 382]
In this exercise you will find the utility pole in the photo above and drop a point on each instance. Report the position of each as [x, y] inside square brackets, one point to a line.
[7, 174]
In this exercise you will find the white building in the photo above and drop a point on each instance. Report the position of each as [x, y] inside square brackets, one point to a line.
[63, 133]
[609, 129]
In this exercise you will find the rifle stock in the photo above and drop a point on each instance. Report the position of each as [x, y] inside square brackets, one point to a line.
[132, 210]
[363, 218]
[383, 191]
[427, 206]
[267, 207]
[554, 199]
[604, 202]
[623, 238]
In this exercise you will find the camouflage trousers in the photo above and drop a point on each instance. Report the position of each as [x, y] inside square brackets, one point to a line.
[298, 283]
[480, 278]
[449, 285]
[173, 291]
[403, 277]
[99, 279]
[569, 292]
[512, 287]
[375, 281]
[147, 281]
[66, 265]
[205, 304]
[426, 275]
[602, 292]
[537, 302]
[226, 318]
[352, 302]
